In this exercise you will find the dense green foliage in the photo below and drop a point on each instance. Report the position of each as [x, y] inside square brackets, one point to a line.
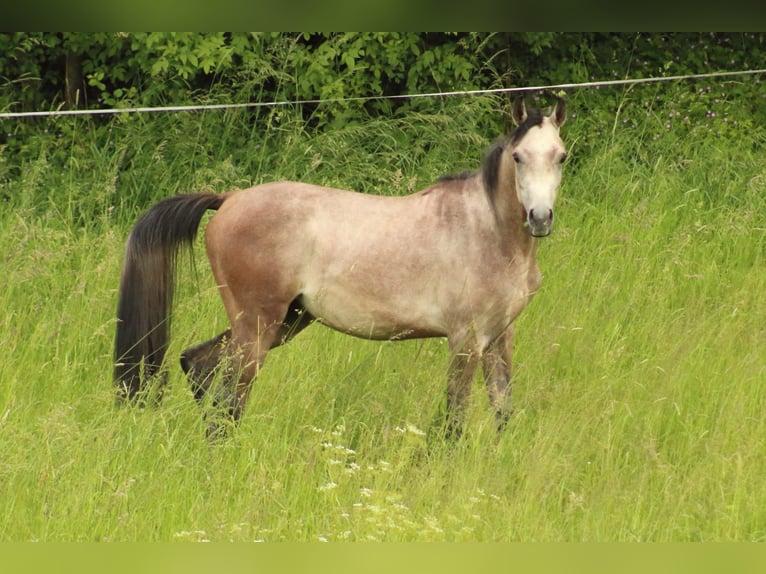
[121, 69]
[242, 147]
[639, 366]
[150, 69]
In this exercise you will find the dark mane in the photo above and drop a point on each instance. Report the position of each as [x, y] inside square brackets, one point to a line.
[491, 164]
[456, 176]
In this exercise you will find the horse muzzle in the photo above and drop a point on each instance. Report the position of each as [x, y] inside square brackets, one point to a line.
[540, 222]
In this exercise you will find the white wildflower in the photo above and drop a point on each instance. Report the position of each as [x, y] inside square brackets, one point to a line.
[352, 468]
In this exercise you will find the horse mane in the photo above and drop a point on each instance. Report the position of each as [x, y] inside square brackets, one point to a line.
[456, 176]
[490, 166]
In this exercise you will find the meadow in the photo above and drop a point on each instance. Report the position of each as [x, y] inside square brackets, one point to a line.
[639, 367]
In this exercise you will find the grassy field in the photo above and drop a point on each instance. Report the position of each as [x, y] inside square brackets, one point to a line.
[638, 384]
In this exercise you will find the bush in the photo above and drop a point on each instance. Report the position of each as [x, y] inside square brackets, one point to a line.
[48, 162]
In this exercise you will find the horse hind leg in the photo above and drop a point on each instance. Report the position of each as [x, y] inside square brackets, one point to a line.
[200, 363]
[223, 369]
[240, 354]
[225, 366]
[241, 360]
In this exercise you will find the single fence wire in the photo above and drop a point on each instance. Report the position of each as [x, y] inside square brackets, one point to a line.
[212, 107]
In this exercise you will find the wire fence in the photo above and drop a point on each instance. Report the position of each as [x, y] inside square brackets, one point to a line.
[213, 107]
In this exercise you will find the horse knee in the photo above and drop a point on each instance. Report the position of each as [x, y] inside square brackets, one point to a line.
[200, 363]
[459, 382]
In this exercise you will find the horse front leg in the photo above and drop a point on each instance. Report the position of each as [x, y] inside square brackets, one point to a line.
[496, 365]
[463, 364]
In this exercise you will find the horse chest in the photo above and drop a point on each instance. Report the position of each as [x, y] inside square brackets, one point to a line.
[520, 282]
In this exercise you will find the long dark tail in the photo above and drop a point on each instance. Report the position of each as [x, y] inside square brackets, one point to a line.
[147, 284]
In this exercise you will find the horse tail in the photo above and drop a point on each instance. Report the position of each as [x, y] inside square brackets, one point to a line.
[147, 285]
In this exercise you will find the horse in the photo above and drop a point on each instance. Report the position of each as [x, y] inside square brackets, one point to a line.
[455, 260]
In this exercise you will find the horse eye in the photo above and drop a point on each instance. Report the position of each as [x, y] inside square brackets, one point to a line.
[516, 157]
[563, 157]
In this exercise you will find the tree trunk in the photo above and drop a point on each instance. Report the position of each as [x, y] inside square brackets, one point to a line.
[75, 93]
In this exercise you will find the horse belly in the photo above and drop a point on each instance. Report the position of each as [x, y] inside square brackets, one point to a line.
[370, 314]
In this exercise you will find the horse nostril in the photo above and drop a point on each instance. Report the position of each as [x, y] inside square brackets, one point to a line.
[532, 215]
[540, 225]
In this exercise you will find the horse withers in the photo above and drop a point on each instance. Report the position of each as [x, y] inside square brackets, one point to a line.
[454, 260]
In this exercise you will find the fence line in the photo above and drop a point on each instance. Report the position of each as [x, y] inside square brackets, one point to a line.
[205, 107]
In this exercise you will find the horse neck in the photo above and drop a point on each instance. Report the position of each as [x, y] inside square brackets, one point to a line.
[510, 214]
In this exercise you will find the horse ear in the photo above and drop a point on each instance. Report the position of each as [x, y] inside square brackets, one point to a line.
[559, 114]
[519, 113]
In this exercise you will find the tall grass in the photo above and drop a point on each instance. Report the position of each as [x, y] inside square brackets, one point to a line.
[638, 379]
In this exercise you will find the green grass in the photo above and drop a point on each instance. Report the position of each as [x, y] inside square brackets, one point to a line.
[638, 382]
